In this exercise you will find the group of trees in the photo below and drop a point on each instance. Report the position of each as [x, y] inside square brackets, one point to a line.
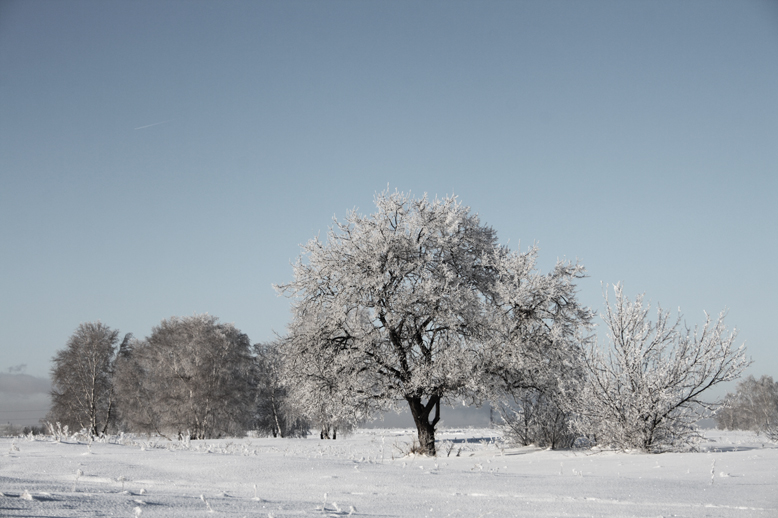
[419, 303]
[193, 377]
[753, 406]
[415, 303]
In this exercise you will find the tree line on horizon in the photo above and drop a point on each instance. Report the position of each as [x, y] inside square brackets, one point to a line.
[415, 304]
[193, 377]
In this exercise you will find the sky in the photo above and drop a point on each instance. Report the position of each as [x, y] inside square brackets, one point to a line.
[167, 158]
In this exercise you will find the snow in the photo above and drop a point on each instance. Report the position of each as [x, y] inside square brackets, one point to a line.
[366, 474]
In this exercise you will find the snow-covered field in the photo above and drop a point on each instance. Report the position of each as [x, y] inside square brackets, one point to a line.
[365, 474]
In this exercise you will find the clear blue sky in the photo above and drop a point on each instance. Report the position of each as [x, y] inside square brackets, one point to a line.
[165, 158]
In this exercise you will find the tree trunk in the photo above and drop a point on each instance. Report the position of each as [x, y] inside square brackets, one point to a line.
[92, 403]
[275, 417]
[108, 414]
[425, 427]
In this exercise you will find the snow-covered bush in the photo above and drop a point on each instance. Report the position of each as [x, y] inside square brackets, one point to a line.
[34, 430]
[332, 418]
[58, 432]
[643, 392]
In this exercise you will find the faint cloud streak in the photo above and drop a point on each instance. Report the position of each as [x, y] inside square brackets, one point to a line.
[150, 125]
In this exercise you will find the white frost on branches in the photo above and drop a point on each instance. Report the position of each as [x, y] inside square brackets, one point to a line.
[418, 302]
[644, 391]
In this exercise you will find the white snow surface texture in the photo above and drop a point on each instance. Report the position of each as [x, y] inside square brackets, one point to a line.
[365, 474]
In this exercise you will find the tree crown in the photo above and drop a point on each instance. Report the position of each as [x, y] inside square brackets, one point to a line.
[419, 300]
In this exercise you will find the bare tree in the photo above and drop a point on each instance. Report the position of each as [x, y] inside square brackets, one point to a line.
[82, 390]
[644, 392]
[753, 406]
[418, 303]
[192, 376]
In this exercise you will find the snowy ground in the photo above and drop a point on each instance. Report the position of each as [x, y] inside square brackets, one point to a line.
[366, 475]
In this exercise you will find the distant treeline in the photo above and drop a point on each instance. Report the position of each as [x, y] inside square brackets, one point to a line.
[193, 377]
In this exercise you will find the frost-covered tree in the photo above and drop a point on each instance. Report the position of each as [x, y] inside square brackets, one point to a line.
[277, 413]
[82, 388]
[192, 376]
[753, 406]
[418, 303]
[644, 391]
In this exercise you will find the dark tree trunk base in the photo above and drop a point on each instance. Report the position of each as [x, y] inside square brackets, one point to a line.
[424, 427]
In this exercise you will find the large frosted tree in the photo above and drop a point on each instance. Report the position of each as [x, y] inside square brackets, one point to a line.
[419, 303]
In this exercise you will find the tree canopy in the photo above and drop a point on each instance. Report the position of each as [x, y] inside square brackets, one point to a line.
[82, 392]
[193, 376]
[418, 302]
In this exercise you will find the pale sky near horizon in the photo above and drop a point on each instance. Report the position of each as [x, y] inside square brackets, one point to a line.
[166, 158]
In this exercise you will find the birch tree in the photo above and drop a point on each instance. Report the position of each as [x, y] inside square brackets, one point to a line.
[419, 303]
[644, 390]
[82, 389]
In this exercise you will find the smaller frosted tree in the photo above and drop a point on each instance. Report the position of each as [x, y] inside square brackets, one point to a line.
[138, 388]
[644, 391]
[82, 388]
[191, 376]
